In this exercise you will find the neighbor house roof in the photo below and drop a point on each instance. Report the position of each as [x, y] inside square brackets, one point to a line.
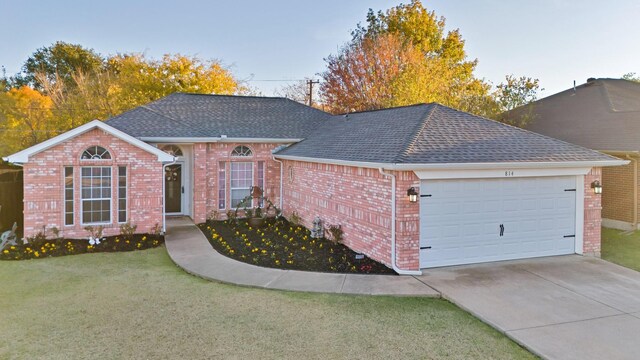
[214, 116]
[602, 114]
[433, 134]
[23, 156]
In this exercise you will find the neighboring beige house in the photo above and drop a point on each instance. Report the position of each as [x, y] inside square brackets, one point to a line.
[604, 115]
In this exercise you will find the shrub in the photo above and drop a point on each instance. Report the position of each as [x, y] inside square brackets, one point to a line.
[214, 215]
[156, 230]
[56, 232]
[95, 232]
[127, 230]
[38, 238]
[232, 215]
[336, 233]
[295, 219]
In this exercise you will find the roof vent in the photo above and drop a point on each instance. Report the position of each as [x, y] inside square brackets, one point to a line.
[223, 136]
[590, 80]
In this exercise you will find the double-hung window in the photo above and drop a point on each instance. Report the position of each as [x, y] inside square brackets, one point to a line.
[96, 194]
[241, 181]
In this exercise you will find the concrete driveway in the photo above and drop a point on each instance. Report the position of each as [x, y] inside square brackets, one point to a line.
[566, 307]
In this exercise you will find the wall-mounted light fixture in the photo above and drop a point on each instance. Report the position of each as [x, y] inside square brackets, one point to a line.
[597, 188]
[412, 194]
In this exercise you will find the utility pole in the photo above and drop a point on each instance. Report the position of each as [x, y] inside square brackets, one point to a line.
[310, 83]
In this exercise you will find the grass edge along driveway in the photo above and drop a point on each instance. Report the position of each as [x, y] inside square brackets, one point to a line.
[621, 247]
[139, 305]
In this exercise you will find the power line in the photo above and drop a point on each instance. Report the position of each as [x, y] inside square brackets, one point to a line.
[283, 80]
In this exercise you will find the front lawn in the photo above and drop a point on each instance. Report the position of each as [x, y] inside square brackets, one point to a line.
[139, 305]
[279, 244]
[621, 247]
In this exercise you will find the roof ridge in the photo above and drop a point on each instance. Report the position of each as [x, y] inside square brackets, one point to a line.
[145, 107]
[384, 109]
[227, 95]
[417, 131]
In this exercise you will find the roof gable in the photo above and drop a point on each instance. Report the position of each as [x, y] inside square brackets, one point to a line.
[22, 157]
[602, 114]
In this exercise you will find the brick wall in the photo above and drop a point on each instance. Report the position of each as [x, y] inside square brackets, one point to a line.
[592, 213]
[359, 199]
[617, 194]
[44, 185]
[206, 159]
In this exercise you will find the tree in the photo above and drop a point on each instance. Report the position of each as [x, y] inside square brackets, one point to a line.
[362, 75]
[299, 91]
[514, 100]
[631, 76]
[58, 63]
[26, 118]
[402, 56]
[70, 89]
[137, 80]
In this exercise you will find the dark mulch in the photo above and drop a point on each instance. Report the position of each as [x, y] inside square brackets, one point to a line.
[41, 248]
[279, 244]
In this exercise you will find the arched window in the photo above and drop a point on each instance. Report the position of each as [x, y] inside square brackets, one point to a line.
[241, 150]
[172, 150]
[96, 153]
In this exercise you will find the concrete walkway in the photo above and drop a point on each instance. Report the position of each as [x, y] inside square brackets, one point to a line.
[191, 251]
[565, 307]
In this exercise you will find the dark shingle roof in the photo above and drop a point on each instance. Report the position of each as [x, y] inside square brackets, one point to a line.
[602, 114]
[195, 115]
[432, 134]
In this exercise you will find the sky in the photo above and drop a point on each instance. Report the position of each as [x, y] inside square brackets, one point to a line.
[554, 41]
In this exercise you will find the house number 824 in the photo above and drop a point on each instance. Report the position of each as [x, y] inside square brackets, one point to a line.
[508, 173]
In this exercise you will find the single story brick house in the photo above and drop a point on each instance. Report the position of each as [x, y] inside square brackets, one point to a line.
[604, 115]
[412, 187]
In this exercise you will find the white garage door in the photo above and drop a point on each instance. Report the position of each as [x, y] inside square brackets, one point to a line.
[478, 220]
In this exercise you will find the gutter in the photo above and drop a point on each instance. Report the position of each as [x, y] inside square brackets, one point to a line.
[393, 227]
[459, 166]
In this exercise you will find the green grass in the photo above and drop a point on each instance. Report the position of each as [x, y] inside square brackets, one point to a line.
[139, 305]
[622, 248]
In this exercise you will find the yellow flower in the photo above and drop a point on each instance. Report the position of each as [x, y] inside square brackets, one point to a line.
[144, 238]
[36, 254]
[12, 248]
[6, 251]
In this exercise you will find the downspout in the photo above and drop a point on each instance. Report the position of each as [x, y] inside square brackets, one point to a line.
[164, 198]
[393, 227]
[281, 195]
[635, 190]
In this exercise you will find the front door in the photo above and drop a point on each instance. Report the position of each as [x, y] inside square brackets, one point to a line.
[173, 189]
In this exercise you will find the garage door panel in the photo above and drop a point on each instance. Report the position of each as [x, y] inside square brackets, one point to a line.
[461, 220]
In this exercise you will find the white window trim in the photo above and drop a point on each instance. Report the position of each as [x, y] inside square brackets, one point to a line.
[107, 151]
[222, 171]
[101, 199]
[240, 155]
[126, 194]
[64, 196]
[231, 188]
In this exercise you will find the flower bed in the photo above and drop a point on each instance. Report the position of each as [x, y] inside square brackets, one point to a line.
[281, 245]
[40, 248]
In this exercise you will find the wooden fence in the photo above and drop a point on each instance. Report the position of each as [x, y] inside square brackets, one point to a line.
[11, 197]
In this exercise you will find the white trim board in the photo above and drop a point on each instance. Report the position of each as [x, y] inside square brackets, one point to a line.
[505, 172]
[22, 157]
[458, 166]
